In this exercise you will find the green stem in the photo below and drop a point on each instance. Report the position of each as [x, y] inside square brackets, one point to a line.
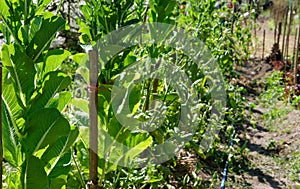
[26, 25]
[12, 34]
[77, 167]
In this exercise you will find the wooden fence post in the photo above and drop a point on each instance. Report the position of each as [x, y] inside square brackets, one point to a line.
[93, 106]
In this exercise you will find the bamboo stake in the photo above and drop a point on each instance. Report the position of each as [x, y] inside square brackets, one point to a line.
[284, 30]
[289, 31]
[279, 32]
[295, 45]
[93, 106]
[297, 56]
[275, 32]
[264, 39]
[255, 37]
[276, 24]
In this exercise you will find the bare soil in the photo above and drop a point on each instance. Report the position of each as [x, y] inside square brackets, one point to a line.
[270, 146]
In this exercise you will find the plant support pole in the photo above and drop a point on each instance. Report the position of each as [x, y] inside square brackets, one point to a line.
[297, 58]
[295, 45]
[93, 106]
[1, 144]
[289, 31]
[279, 32]
[284, 30]
[264, 40]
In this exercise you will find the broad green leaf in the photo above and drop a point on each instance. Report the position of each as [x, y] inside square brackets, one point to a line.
[64, 98]
[11, 113]
[6, 49]
[81, 104]
[117, 131]
[129, 60]
[22, 36]
[135, 138]
[55, 152]
[35, 26]
[54, 59]
[85, 73]
[4, 9]
[54, 82]
[62, 166]
[81, 118]
[81, 113]
[34, 175]
[57, 182]
[12, 152]
[44, 36]
[22, 70]
[44, 128]
[82, 59]
[61, 100]
[12, 120]
[169, 7]
[128, 156]
[120, 145]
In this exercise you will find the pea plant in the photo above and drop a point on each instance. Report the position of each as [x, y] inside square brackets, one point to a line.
[110, 16]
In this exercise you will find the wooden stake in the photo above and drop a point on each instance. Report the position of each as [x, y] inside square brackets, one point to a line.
[289, 32]
[255, 37]
[284, 30]
[279, 32]
[275, 32]
[295, 45]
[264, 39]
[297, 57]
[93, 106]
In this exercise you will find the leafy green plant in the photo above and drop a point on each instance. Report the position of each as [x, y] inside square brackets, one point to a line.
[36, 136]
[226, 47]
[274, 89]
[273, 99]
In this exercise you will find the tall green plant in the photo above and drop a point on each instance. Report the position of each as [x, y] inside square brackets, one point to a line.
[36, 135]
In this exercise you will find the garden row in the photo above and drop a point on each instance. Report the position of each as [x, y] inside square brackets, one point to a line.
[45, 87]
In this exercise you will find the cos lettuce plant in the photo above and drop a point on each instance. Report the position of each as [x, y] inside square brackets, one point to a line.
[36, 135]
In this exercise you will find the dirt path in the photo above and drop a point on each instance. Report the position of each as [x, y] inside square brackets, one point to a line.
[271, 146]
[263, 24]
